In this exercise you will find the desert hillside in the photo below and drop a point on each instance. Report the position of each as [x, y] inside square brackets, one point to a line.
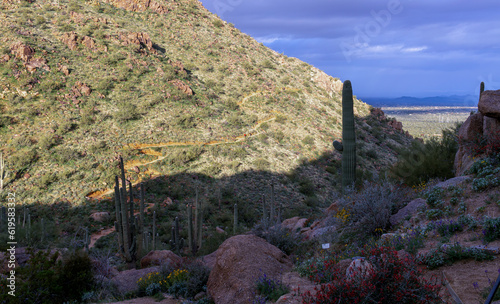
[171, 88]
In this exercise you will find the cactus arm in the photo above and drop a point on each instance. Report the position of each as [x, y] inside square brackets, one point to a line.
[338, 145]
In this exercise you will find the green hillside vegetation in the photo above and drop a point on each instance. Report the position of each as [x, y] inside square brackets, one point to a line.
[180, 92]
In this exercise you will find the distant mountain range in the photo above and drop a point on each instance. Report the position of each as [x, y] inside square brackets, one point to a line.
[449, 101]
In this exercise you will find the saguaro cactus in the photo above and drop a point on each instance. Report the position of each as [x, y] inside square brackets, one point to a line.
[348, 145]
[176, 242]
[481, 89]
[235, 219]
[3, 171]
[195, 233]
[125, 223]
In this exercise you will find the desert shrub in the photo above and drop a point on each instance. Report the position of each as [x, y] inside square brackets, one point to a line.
[491, 229]
[392, 280]
[22, 159]
[99, 146]
[410, 242]
[280, 119]
[218, 23]
[181, 157]
[47, 142]
[370, 209]
[306, 187]
[46, 180]
[286, 240]
[270, 289]
[487, 173]
[185, 121]
[184, 281]
[261, 164]
[65, 127]
[423, 161]
[235, 120]
[308, 140]
[22, 141]
[63, 155]
[278, 135]
[104, 84]
[126, 111]
[447, 255]
[267, 64]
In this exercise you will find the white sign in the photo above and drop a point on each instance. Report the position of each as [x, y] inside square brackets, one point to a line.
[325, 246]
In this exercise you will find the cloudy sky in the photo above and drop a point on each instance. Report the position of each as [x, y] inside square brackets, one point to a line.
[387, 48]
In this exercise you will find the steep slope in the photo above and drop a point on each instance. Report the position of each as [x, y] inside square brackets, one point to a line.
[167, 85]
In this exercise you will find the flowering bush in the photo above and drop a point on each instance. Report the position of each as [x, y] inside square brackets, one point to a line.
[155, 282]
[270, 289]
[393, 280]
[491, 229]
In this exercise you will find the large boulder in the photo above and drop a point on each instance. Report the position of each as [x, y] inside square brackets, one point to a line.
[469, 134]
[126, 281]
[159, 257]
[491, 130]
[100, 216]
[453, 182]
[463, 161]
[408, 211]
[240, 261]
[489, 103]
[472, 128]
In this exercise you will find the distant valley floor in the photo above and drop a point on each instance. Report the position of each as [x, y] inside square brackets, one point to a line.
[425, 121]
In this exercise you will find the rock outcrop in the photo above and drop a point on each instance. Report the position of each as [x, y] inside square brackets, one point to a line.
[100, 216]
[240, 261]
[480, 133]
[159, 257]
[408, 211]
[139, 5]
[489, 104]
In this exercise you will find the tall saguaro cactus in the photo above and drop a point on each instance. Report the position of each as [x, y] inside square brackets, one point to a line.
[481, 89]
[3, 171]
[348, 145]
[195, 234]
[126, 223]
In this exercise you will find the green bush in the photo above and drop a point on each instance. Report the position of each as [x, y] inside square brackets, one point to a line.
[423, 161]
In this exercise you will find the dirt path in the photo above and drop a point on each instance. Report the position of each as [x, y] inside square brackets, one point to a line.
[146, 148]
[95, 236]
[99, 234]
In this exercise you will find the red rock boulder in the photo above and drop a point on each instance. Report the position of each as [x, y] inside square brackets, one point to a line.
[240, 261]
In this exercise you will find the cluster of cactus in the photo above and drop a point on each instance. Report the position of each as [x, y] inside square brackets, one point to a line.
[348, 145]
[3, 171]
[128, 226]
[176, 243]
[274, 217]
[195, 227]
